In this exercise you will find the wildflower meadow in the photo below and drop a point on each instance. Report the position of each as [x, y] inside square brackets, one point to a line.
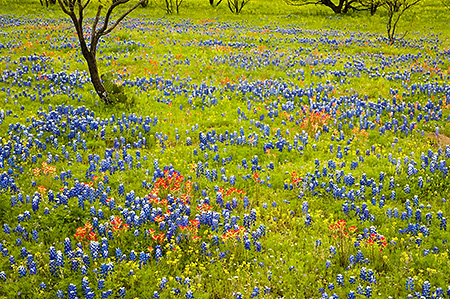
[285, 152]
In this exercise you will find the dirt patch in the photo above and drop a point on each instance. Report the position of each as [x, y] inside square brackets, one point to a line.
[440, 141]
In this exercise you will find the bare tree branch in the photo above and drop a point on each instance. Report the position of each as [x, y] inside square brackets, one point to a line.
[80, 13]
[302, 3]
[63, 6]
[94, 25]
[122, 17]
[235, 6]
[109, 12]
[395, 10]
[446, 3]
[86, 4]
[211, 2]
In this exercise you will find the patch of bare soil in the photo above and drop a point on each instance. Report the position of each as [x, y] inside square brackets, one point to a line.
[440, 140]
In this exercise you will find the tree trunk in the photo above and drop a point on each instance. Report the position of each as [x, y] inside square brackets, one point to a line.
[95, 78]
[373, 9]
[344, 5]
[336, 8]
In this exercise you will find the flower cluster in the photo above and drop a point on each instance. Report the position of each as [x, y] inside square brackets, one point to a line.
[85, 234]
[340, 229]
[46, 169]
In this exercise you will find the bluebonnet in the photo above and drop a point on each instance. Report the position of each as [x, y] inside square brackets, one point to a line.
[426, 289]
[189, 294]
[340, 280]
[72, 289]
[22, 271]
[332, 250]
[122, 292]
[67, 246]
[443, 224]
[308, 220]
[255, 292]
[101, 284]
[363, 274]
[305, 207]
[351, 295]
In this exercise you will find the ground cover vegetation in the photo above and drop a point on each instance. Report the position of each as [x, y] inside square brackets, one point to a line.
[282, 152]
